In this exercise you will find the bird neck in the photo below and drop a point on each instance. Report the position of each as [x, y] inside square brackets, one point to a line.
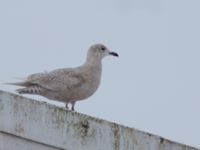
[92, 62]
[93, 66]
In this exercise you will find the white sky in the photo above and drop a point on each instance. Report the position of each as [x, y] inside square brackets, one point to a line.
[153, 86]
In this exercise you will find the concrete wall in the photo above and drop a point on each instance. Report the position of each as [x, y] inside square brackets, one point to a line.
[27, 124]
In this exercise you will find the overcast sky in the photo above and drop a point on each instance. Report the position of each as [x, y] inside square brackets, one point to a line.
[153, 86]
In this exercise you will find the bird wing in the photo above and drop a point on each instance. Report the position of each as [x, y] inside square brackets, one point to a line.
[57, 80]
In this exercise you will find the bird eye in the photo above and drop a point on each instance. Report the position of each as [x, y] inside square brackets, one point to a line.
[103, 48]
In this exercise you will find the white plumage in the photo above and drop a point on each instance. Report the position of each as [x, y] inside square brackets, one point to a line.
[68, 84]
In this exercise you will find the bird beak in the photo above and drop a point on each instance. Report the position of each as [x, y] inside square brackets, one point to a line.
[113, 54]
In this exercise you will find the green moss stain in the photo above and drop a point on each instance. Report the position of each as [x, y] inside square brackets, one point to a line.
[58, 117]
[116, 133]
[83, 129]
[1, 104]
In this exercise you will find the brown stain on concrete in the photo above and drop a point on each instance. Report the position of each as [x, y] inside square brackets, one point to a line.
[19, 128]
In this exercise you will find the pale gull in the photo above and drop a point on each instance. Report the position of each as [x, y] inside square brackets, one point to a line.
[68, 84]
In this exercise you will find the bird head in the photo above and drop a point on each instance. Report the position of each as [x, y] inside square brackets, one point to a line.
[99, 51]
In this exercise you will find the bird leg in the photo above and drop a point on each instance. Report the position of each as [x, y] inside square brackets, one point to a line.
[73, 105]
[66, 106]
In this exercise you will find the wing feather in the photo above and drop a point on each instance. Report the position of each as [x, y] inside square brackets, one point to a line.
[57, 80]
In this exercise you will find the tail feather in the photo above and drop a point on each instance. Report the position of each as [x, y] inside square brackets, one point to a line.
[20, 78]
[25, 84]
[29, 90]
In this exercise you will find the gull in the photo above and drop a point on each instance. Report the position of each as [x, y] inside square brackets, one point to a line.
[68, 84]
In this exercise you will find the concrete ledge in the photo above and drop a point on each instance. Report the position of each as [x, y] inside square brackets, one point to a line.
[37, 125]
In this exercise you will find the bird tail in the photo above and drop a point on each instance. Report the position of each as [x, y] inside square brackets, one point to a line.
[16, 83]
[29, 90]
[23, 82]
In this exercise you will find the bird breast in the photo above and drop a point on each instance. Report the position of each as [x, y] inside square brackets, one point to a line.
[92, 80]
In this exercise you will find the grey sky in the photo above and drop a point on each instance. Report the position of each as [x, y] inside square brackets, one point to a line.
[153, 86]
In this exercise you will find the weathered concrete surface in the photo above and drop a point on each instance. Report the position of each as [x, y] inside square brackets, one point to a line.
[30, 124]
[12, 142]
